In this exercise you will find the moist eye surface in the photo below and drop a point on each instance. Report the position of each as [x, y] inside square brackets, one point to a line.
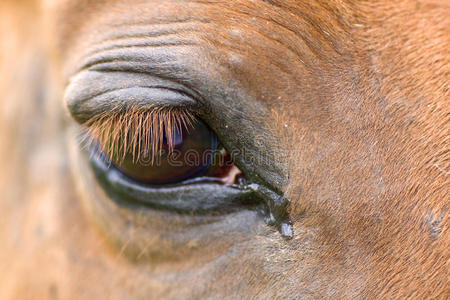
[187, 153]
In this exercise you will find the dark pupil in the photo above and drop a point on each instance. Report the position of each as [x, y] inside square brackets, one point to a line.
[191, 156]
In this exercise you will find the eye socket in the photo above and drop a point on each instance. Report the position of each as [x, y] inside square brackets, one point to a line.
[154, 156]
[186, 154]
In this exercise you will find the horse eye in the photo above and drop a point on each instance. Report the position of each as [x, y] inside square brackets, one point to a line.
[169, 159]
[186, 154]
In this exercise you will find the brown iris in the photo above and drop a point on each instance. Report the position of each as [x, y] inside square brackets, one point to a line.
[186, 153]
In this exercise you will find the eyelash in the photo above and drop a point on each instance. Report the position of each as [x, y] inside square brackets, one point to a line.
[121, 131]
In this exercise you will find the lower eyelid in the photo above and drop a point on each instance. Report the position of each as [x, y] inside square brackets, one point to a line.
[141, 233]
[198, 198]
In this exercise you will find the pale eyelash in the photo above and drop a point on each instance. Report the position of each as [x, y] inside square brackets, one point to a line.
[137, 130]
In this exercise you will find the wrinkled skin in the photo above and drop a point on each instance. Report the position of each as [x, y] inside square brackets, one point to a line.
[351, 98]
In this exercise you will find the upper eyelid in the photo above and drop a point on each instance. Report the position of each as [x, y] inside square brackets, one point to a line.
[91, 93]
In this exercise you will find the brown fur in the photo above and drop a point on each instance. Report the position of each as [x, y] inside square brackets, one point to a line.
[355, 94]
